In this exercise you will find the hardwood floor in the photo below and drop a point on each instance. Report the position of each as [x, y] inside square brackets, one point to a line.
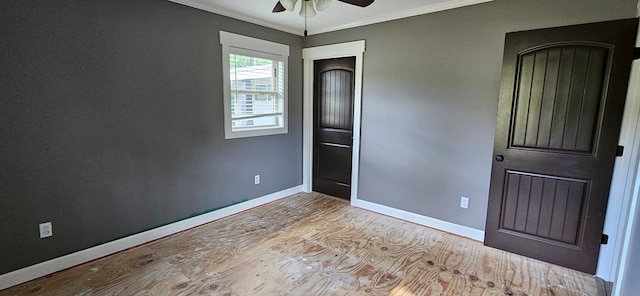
[310, 244]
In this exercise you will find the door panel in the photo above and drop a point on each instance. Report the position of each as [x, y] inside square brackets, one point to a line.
[544, 207]
[561, 102]
[563, 113]
[335, 98]
[331, 168]
[333, 126]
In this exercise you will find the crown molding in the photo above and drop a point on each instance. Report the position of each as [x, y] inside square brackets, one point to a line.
[202, 5]
[400, 15]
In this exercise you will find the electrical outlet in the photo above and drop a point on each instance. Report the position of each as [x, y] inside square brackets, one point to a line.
[256, 180]
[464, 202]
[46, 230]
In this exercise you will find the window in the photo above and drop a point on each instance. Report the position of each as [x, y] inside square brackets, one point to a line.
[255, 86]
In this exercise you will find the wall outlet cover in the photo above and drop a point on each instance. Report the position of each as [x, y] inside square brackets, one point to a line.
[464, 202]
[46, 230]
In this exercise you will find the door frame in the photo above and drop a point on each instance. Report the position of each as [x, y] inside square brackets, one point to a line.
[310, 55]
[624, 205]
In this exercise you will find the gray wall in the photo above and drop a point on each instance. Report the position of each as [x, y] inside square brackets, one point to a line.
[111, 123]
[430, 92]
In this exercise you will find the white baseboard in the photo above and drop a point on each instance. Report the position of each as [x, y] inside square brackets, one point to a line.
[460, 230]
[41, 269]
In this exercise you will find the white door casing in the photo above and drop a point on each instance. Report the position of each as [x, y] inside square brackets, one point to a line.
[350, 49]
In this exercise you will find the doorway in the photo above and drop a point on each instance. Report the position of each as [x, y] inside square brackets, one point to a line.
[310, 55]
[333, 126]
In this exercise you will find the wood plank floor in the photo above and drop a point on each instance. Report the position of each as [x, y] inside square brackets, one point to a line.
[311, 244]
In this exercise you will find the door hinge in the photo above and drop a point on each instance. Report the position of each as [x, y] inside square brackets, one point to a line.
[636, 53]
[605, 239]
[619, 151]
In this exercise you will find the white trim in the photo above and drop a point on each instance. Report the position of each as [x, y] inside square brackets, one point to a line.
[203, 5]
[619, 213]
[250, 43]
[625, 255]
[447, 5]
[41, 269]
[622, 184]
[249, 46]
[627, 207]
[349, 49]
[460, 230]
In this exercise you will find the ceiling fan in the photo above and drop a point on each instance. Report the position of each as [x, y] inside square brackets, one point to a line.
[309, 7]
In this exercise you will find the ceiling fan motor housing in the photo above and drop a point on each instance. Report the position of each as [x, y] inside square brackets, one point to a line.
[310, 6]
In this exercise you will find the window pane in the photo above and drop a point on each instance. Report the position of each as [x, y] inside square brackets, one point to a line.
[257, 122]
[257, 92]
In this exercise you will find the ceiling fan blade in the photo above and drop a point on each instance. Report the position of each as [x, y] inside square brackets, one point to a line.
[361, 3]
[278, 8]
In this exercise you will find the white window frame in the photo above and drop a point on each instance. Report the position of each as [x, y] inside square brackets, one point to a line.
[238, 44]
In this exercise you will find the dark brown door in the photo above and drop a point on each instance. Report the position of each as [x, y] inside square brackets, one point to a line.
[560, 110]
[333, 126]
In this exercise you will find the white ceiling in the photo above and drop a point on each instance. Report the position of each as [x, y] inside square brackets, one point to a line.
[338, 16]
